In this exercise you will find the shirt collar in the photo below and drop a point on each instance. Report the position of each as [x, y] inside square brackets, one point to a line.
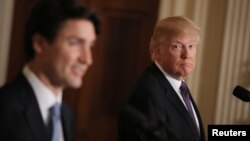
[174, 82]
[44, 95]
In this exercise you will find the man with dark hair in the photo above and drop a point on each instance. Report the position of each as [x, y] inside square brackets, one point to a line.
[59, 36]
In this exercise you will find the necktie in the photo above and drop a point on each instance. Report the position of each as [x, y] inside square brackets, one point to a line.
[186, 97]
[55, 119]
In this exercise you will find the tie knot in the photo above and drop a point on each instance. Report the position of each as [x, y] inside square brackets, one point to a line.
[55, 111]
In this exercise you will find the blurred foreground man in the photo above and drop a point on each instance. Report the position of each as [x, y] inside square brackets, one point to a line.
[59, 36]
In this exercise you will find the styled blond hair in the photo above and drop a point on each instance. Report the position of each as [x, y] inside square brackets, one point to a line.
[172, 27]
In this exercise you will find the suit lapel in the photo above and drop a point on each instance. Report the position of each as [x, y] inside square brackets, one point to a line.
[170, 92]
[67, 122]
[202, 132]
[32, 113]
[36, 124]
[178, 104]
[174, 99]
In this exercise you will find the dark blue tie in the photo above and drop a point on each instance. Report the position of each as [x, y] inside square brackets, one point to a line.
[186, 97]
[56, 119]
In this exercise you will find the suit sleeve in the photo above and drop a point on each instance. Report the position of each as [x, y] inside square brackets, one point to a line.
[142, 127]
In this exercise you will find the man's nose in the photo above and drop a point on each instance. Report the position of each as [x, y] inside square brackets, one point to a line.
[185, 53]
[86, 55]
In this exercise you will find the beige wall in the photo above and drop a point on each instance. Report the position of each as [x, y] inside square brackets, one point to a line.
[223, 60]
[235, 64]
[6, 7]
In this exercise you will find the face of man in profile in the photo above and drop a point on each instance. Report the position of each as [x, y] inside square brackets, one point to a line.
[67, 58]
[177, 55]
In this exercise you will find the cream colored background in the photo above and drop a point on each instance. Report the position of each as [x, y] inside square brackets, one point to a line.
[6, 8]
[223, 56]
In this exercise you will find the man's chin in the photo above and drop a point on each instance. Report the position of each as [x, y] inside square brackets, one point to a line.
[184, 74]
[187, 71]
[76, 85]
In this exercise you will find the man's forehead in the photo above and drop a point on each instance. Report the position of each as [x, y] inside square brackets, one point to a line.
[183, 39]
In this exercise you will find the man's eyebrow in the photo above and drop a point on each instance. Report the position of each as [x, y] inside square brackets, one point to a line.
[177, 41]
[76, 38]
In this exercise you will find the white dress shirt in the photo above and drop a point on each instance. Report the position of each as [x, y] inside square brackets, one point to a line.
[45, 97]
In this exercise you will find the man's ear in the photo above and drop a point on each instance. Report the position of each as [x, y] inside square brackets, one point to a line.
[39, 43]
[156, 51]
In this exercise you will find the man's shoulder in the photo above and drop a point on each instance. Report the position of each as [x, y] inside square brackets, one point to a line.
[146, 84]
[150, 78]
[10, 92]
[13, 85]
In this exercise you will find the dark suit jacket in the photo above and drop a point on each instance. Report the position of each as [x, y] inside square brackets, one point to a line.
[20, 117]
[157, 112]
